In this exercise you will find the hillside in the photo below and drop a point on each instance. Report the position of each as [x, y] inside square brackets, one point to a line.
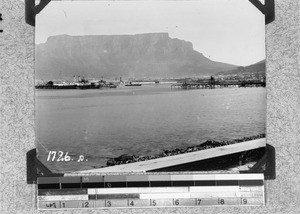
[257, 68]
[152, 55]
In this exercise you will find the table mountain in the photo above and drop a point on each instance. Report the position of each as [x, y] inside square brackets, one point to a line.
[151, 55]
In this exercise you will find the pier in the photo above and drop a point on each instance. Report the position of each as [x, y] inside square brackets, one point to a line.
[213, 85]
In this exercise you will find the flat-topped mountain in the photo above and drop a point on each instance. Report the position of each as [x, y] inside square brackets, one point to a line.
[151, 55]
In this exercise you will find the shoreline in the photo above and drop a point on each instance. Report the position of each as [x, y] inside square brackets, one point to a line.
[128, 158]
[229, 158]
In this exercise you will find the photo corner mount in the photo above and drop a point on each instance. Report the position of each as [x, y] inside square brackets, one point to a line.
[31, 9]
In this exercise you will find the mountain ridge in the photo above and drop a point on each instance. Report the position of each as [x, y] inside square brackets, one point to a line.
[258, 68]
[149, 55]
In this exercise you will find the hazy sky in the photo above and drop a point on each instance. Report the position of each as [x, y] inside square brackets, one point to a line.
[230, 31]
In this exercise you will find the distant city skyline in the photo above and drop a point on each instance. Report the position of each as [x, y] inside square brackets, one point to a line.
[230, 31]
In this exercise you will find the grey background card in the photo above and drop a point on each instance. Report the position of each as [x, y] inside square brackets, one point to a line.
[283, 116]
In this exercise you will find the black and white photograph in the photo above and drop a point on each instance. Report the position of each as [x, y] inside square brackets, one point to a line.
[148, 86]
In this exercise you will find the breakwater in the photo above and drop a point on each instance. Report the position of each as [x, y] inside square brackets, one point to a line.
[128, 158]
[68, 86]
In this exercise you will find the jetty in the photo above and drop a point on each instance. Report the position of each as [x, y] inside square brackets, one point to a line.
[213, 85]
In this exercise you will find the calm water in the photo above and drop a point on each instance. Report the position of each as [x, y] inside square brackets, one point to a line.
[102, 124]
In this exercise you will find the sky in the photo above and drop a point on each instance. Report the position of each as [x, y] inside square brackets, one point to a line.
[230, 31]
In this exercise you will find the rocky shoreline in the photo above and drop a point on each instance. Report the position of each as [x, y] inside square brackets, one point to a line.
[128, 158]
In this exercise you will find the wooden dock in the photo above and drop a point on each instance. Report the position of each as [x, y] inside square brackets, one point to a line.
[153, 164]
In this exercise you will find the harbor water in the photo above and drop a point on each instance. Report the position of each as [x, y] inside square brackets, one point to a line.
[105, 123]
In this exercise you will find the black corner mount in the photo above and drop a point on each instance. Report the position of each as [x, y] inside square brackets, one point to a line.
[268, 9]
[31, 10]
[266, 164]
[35, 168]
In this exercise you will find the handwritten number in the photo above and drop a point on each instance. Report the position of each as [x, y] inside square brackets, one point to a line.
[49, 155]
[67, 157]
[54, 155]
[60, 156]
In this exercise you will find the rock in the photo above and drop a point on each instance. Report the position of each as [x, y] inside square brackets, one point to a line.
[111, 162]
[127, 158]
[189, 149]
[124, 157]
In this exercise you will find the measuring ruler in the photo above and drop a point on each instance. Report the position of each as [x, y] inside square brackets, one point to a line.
[125, 191]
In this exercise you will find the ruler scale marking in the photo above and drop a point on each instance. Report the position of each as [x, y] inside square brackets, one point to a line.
[129, 191]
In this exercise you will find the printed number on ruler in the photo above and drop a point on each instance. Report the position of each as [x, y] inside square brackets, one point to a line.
[153, 203]
[198, 201]
[221, 201]
[108, 203]
[131, 203]
[85, 204]
[244, 201]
